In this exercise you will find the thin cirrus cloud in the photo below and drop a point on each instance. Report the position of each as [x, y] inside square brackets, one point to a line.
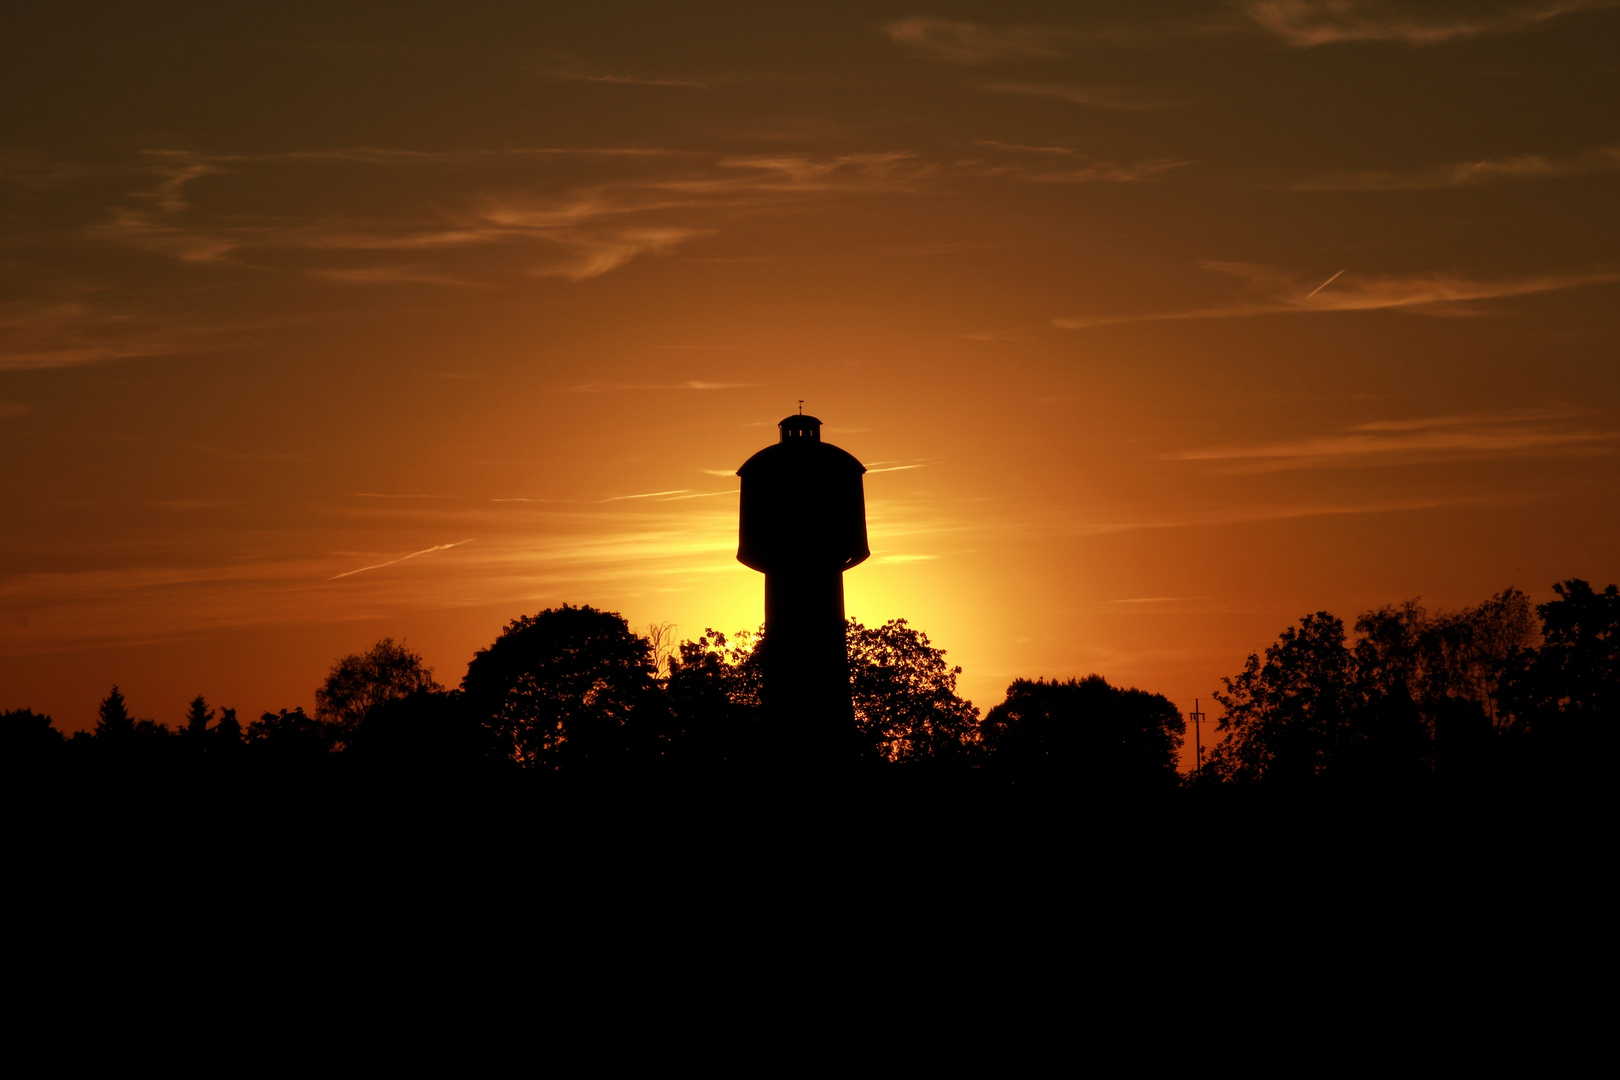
[49, 333]
[1310, 23]
[667, 548]
[950, 41]
[1059, 165]
[1245, 515]
[1275, 292]
[1405, 441]
[392, 275]
[641, 203]
[1461, 174]
[564, 67]
[631, 80]
[1154, 599]
[690, 384]
[634, 203]
[1095, 97]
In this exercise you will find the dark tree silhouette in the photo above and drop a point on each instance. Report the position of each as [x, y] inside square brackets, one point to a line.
[428, 730]
[198, 717]
[1565, 695]
[1468, 694]
[290, 737]
[1084, 732]
[905, 703]
[113, 722]
[1402, 648]
[1426, 684]
[713, 694]
[1287, 719]
[906, 706]
[569, 687]
[359, 682]
[225, 737]
[151, 729]
[27, 737]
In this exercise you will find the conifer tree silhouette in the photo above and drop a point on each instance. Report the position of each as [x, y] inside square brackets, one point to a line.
[113, 722]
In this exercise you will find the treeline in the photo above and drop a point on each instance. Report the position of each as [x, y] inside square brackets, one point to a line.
[1497, 692]
[1492, 693]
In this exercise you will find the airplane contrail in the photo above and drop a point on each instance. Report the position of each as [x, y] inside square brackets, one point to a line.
[402, 558]
[1324, 284]
[646, 495]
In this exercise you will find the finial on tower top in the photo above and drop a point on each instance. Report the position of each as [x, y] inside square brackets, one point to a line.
[801, 406]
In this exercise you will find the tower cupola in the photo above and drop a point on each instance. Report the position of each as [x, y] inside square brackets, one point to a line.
[800, 428]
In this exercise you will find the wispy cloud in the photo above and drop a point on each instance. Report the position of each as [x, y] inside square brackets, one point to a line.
[1095, 97]
[642, 202]
[601, 252]
[151, 223]
[1275, 292]
[949, 41]
[392, 275]
[534, 556]
[1060, 165]
[690, 384]
[1021, 148]
[54, 333]
[565, 67]
[1155, 599]
[574, 214]
[1242, 515]
[1461, 174]
[402, 558]
[177, 169]
[32, 170]
[1309, 23]
[1464, 420]
[1404, 441]
[631, 80]
[149, 231]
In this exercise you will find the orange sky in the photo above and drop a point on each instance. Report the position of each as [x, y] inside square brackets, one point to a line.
[289, 293]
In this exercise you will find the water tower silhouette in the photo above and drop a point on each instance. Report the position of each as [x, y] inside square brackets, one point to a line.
[802, 524]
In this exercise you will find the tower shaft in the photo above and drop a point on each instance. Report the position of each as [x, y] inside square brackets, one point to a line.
[806, 666]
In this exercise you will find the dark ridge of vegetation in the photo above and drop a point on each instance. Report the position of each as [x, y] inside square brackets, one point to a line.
[1487, 698]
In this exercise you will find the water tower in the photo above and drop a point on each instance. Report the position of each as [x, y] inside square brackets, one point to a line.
[803, 523]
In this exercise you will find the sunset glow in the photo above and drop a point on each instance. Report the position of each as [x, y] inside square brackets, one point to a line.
[1156, 326]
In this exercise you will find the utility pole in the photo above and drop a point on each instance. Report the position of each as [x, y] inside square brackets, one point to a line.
[1198, 737]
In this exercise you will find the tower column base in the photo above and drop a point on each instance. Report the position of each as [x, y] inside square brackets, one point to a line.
[806, 666]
